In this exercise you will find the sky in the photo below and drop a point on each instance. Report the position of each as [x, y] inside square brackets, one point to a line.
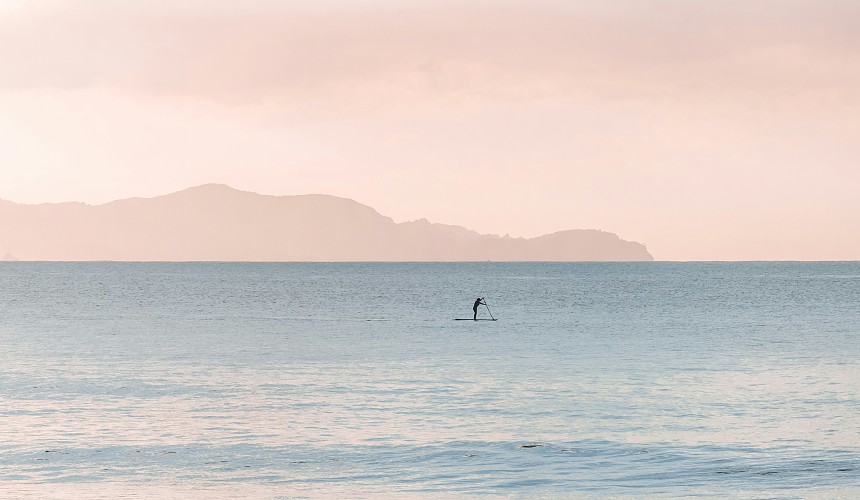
[706, 130]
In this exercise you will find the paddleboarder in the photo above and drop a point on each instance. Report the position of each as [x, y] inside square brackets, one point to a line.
[478, 302]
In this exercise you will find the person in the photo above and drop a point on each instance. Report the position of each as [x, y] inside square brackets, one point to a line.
[479, 301]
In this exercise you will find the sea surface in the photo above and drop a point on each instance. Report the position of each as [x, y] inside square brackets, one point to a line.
[234, 380]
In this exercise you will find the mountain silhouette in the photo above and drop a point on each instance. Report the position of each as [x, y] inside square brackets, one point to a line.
[214, 222]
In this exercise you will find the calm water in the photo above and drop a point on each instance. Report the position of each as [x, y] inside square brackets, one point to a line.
[352, 380]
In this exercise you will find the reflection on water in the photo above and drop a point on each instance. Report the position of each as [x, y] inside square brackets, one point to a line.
[260, 380]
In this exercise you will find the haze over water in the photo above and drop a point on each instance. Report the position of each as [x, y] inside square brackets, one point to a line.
[220, 380]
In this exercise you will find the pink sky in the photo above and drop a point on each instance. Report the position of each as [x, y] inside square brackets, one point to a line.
[707, 130]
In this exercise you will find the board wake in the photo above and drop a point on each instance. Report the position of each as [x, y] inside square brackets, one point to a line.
[470, 319]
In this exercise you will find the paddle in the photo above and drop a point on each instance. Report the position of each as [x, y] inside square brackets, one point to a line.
[488, 309]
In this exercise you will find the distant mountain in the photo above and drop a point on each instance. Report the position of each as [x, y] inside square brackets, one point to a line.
[218, 223]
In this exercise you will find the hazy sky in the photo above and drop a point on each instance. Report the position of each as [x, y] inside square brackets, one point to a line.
[707, 130]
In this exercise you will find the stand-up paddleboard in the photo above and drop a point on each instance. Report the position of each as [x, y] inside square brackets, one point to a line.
[470, 319]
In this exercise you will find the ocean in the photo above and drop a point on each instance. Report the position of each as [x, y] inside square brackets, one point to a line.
[351, 380]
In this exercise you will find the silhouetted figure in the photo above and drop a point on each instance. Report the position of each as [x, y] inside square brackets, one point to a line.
[479, 301]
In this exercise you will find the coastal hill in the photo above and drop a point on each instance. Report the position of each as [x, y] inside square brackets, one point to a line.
[217, 223]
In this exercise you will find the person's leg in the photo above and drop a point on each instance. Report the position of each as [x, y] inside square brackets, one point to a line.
[475, 317]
